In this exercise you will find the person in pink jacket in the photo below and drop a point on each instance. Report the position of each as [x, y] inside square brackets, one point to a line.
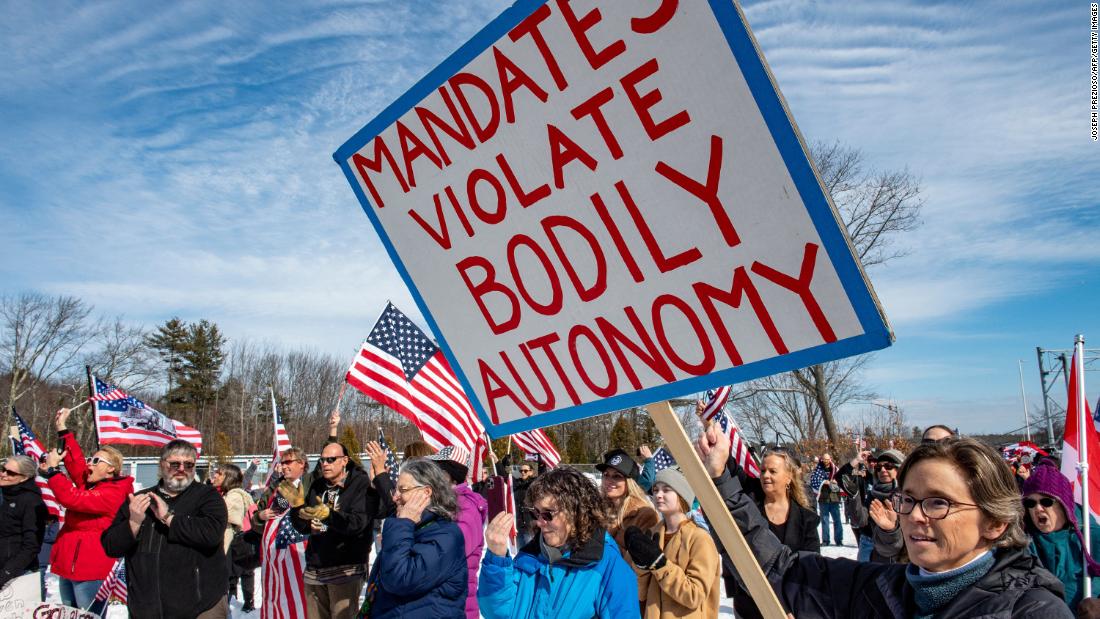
[473, 513]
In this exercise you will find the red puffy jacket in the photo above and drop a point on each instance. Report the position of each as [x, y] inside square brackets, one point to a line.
[78, 554]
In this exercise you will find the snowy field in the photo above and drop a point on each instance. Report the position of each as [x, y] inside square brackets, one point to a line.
[119, 611]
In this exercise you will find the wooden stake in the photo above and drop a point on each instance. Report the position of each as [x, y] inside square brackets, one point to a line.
[677, 441]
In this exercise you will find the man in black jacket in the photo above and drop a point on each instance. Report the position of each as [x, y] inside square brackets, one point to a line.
[171, 537]
[338, 514]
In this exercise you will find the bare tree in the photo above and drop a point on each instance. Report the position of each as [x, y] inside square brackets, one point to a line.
[875, 207]
[41, 339]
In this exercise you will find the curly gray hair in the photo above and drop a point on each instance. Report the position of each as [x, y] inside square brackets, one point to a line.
[444, 502]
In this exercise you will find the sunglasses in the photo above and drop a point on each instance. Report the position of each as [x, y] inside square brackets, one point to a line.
[179, 466]
[330, 459]
[288, 462]
[889, 466]
[525, 470]
[1045, 502]
[7, 471]
[541, 515]
[94, 460]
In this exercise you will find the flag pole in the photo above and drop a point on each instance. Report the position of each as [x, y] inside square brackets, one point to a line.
[91, 392]
[1082, 450]
[1023, 397]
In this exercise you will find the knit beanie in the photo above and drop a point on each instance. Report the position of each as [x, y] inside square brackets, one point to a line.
[1048, 480]
[674, 479]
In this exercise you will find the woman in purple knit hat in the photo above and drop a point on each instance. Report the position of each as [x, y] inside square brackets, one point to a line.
[1051, 518]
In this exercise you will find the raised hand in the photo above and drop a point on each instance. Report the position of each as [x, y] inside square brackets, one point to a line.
[377, 457]
[713, 448]
[52, 459]
[60, 418]
[499, 533]
[883, 515]
[334, 422]
[646, 452]
[412, 507]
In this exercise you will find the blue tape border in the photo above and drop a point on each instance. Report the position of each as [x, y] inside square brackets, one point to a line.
[876, 335]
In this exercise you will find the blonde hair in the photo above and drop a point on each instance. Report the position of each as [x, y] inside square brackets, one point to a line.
[633, 490]
[796, 491]
[113, 457]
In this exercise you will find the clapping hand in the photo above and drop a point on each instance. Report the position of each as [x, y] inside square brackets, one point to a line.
[377, 457]
[318, 511]
[644, 549]
[294, 494]
[139, 505]
[499, 533]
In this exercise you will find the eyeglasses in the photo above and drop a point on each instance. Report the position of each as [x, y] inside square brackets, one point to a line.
[889, 466]
[330, 459]
[7, 471]
[1045, 502]
[402, 491]
[933, 507]
[179, 466]
[288, 462]
[541, 515]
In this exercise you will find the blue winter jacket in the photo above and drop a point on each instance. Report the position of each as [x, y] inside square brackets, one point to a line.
[420, 570]
[591, 581]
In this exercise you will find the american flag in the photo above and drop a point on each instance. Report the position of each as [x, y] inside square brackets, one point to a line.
[714, 403]
[114, 586]
[391, 460]
[481, 454]
[283, 551]
[536, 442]
[401, 368]
[739, 447]
[126, 420]
[662, 459]
[280, 443]
[28, 445]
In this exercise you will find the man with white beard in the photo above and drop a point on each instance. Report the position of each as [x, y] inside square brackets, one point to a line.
[171, 538]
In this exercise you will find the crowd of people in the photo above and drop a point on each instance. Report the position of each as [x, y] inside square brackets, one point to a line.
[947, 530]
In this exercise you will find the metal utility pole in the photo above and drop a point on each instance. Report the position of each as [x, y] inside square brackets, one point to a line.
[1053, 374]
[1023, 397]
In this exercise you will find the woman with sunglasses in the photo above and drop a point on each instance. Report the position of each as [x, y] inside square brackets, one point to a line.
[91, 491]
[421, 567]
[781, 497]
[868, 504]
[22, 518]
[572, 569]
[1051, 518]
[962, 525]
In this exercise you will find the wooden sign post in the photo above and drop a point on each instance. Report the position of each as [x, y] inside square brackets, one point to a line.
[677, 441]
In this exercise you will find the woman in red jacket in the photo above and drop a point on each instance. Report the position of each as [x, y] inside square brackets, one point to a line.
[91, 494]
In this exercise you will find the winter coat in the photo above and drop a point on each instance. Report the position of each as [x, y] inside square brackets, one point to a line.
[688, 584]
[824, 482]
[89, 510]
[648, 474]
[174, 572]
[473, 513]
[637, 513]
[519, 492]
[421, 570]
[810, 585]
[237, 502]
[1060, 553]
[350, 533]
[888, 545]
[22, 526]
[590, 581]
[800, 533]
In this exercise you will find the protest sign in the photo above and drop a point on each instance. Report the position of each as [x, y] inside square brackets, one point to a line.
[599, 205]
[20, 596]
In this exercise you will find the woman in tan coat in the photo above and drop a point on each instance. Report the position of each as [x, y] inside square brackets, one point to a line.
[677, 565]
[629, 504]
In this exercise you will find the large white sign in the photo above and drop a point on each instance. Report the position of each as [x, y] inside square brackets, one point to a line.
[603, 204]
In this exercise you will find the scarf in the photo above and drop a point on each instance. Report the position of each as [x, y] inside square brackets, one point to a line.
[933, 591]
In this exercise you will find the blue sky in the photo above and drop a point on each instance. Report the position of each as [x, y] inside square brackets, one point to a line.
[163, 159]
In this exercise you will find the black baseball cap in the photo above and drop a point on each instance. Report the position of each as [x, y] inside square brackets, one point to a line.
[620, 461]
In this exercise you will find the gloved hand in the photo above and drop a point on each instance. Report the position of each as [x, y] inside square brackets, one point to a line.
[294, 495]
[318, 512]
[644, 549]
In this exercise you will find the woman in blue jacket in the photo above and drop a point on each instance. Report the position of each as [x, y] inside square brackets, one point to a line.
[572, 569]
[421, 567]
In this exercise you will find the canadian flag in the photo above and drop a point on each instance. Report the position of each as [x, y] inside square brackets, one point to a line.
[1071, 454]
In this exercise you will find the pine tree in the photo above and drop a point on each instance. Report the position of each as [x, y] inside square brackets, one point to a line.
[223, 449]
[170, 342]
[349, 440]
[203, 358]
[576, 449]
[622, 435]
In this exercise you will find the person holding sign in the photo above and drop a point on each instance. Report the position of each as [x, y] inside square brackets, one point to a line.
[961, 520]
[571, 570]
[677, 566]
[629, 503]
